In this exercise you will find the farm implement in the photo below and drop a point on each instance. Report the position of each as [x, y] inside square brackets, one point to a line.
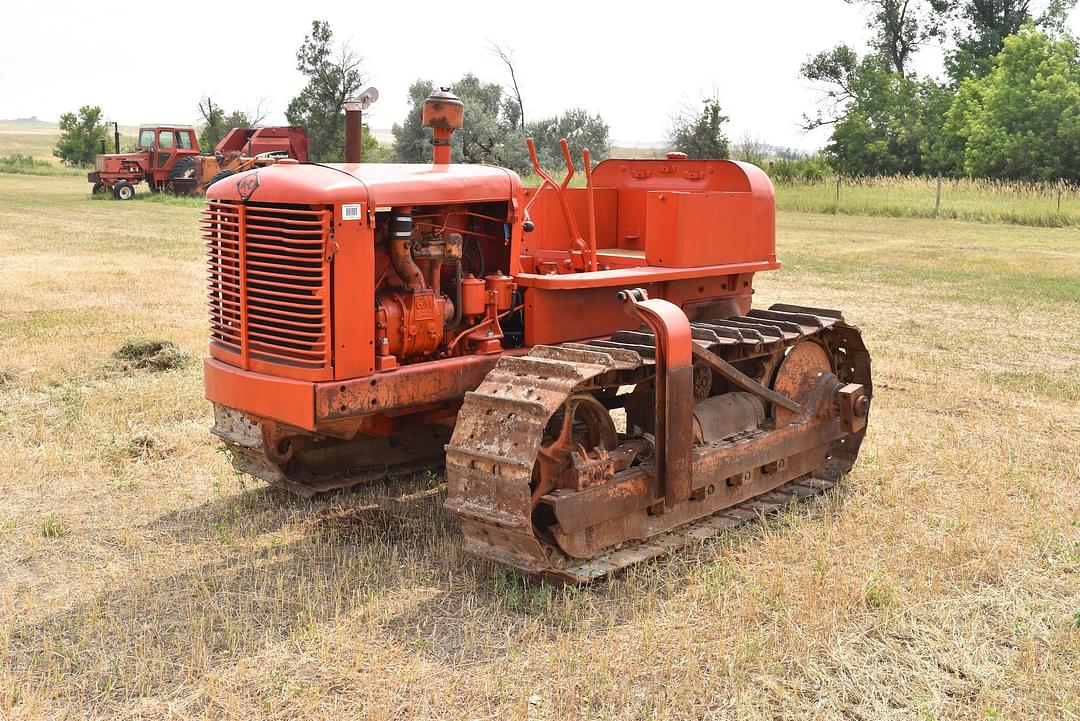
[168, 158]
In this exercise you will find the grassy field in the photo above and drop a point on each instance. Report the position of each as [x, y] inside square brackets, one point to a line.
[36, 140]
[141, 578]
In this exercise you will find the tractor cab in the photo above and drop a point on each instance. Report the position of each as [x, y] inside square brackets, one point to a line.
[167, 145]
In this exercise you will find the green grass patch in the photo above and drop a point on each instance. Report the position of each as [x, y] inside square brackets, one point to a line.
[184, 201]
[1036, 383]
[144, 195]
[19, 164]
[968, 286]
[52, 526]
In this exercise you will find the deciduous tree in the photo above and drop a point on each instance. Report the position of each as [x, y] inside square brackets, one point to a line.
[216, 123]
[81, 134]
[900, 27]
[580, 129]
[1022, 120]
[700, 133]
[979, 29]
[491, 132]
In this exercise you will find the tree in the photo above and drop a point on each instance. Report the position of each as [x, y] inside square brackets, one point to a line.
[981, 26]
[1022, 120]
[750, 149]
[334, 76]
[507, 56]
[892, 131]
[491, 132]
[900, 27]
[216, 124]
[885, 119]
[81, 134]
[580, 130]
[700, 134]
[412, 143]
[883, 122]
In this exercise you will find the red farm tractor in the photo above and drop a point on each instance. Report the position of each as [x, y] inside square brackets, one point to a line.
[168, 158]
[586, 363]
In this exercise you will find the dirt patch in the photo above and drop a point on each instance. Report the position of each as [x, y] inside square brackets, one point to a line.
[152, 354]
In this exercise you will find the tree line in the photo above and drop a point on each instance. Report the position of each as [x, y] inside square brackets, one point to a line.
[1007, 106]
[494, 131]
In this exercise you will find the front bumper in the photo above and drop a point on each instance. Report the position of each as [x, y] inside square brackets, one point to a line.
[309, 405]
[284, 400]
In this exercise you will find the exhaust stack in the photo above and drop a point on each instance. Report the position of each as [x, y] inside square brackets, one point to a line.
[443, 113]
[116, 139]
[354, 126]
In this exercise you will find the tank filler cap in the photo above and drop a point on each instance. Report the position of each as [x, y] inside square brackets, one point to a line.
[286, 161]
[675, 155]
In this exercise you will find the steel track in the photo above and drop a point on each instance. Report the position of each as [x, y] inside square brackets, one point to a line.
[500, 429]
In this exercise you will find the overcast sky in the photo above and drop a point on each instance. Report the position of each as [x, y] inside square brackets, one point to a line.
[632, 63]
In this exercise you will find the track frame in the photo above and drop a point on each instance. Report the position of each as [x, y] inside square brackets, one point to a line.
[601, 502]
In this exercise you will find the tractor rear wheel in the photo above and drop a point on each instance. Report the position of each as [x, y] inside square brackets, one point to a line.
[123, 190]
[183, 170]
[221, 175]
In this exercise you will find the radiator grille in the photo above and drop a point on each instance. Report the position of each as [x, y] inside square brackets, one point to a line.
[269, 283]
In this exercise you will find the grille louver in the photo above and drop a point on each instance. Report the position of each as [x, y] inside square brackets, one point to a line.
[269, 294]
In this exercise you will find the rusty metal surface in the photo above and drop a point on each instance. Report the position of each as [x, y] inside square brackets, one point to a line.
[440, 381]
[674, 391]
[491, 457]
[694, 532]
[587, 514]
[733, 375]
[305, 465]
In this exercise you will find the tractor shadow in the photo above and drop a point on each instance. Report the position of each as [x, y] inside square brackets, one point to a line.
[252, 570]
[278, 567]
[489, 611]
[375, 511]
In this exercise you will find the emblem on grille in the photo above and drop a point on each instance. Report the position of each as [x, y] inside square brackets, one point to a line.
[247, 185]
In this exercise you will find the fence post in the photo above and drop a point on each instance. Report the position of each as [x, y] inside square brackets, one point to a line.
[836, 206]
[937, 198]
[1060, 183]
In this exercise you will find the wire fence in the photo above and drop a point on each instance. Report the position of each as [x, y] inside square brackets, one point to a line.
[1052, 204]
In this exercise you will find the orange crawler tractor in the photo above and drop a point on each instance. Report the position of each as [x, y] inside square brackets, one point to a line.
[585, 361]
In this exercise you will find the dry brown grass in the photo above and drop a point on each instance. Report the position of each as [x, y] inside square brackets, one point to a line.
[38, 139]
[141, 578]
